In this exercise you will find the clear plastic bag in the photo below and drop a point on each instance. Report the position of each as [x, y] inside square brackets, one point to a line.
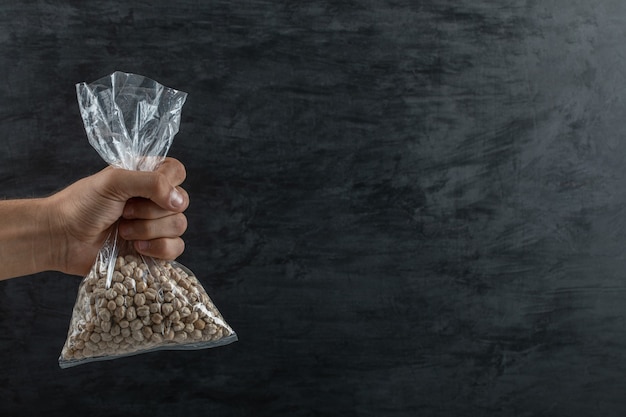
[130, 304]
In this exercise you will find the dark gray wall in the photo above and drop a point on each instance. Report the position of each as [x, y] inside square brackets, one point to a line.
[403, 208]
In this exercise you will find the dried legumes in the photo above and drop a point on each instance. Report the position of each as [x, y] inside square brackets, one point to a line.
[141, 307]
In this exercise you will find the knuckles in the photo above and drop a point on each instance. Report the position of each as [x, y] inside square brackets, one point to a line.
[174, 170]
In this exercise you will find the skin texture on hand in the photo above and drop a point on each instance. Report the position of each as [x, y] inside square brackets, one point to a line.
[65, 231]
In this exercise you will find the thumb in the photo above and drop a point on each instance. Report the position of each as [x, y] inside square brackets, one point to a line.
[121, 185]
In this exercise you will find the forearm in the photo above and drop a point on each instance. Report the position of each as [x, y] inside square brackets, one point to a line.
[26, 239]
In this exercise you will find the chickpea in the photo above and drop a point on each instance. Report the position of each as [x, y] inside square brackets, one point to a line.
[131, 313]
[140, 299]
[140, 308]
[143, 311]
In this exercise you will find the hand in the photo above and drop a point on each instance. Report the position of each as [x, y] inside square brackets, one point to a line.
[149, 206]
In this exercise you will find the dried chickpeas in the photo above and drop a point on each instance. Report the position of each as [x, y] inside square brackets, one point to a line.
[141, 307]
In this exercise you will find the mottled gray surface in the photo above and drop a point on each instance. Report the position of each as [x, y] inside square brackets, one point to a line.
[403, 208]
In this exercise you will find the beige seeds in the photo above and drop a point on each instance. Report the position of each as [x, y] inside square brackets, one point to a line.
[140, 308]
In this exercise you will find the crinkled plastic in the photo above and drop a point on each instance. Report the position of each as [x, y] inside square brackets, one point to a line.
[128, 303]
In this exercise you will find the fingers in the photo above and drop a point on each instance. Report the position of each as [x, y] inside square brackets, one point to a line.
[154, 201]
[159, 238]
[171, 226]
[142, 208]
[173, 170]
[162, 248]
[160, 186]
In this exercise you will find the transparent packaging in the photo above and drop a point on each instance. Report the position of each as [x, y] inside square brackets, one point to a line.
[128, 303]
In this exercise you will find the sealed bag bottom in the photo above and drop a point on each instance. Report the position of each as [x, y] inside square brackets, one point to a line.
[129, 305]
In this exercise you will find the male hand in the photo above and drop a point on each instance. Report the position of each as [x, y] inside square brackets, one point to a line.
[149, 206]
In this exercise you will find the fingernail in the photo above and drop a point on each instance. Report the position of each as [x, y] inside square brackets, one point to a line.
[176, 198]
[142, 244]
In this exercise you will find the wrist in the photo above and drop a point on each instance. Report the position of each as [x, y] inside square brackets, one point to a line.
[27, 241]
[49, 246]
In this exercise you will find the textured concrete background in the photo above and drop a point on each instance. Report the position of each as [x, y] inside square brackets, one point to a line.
[403, 208]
